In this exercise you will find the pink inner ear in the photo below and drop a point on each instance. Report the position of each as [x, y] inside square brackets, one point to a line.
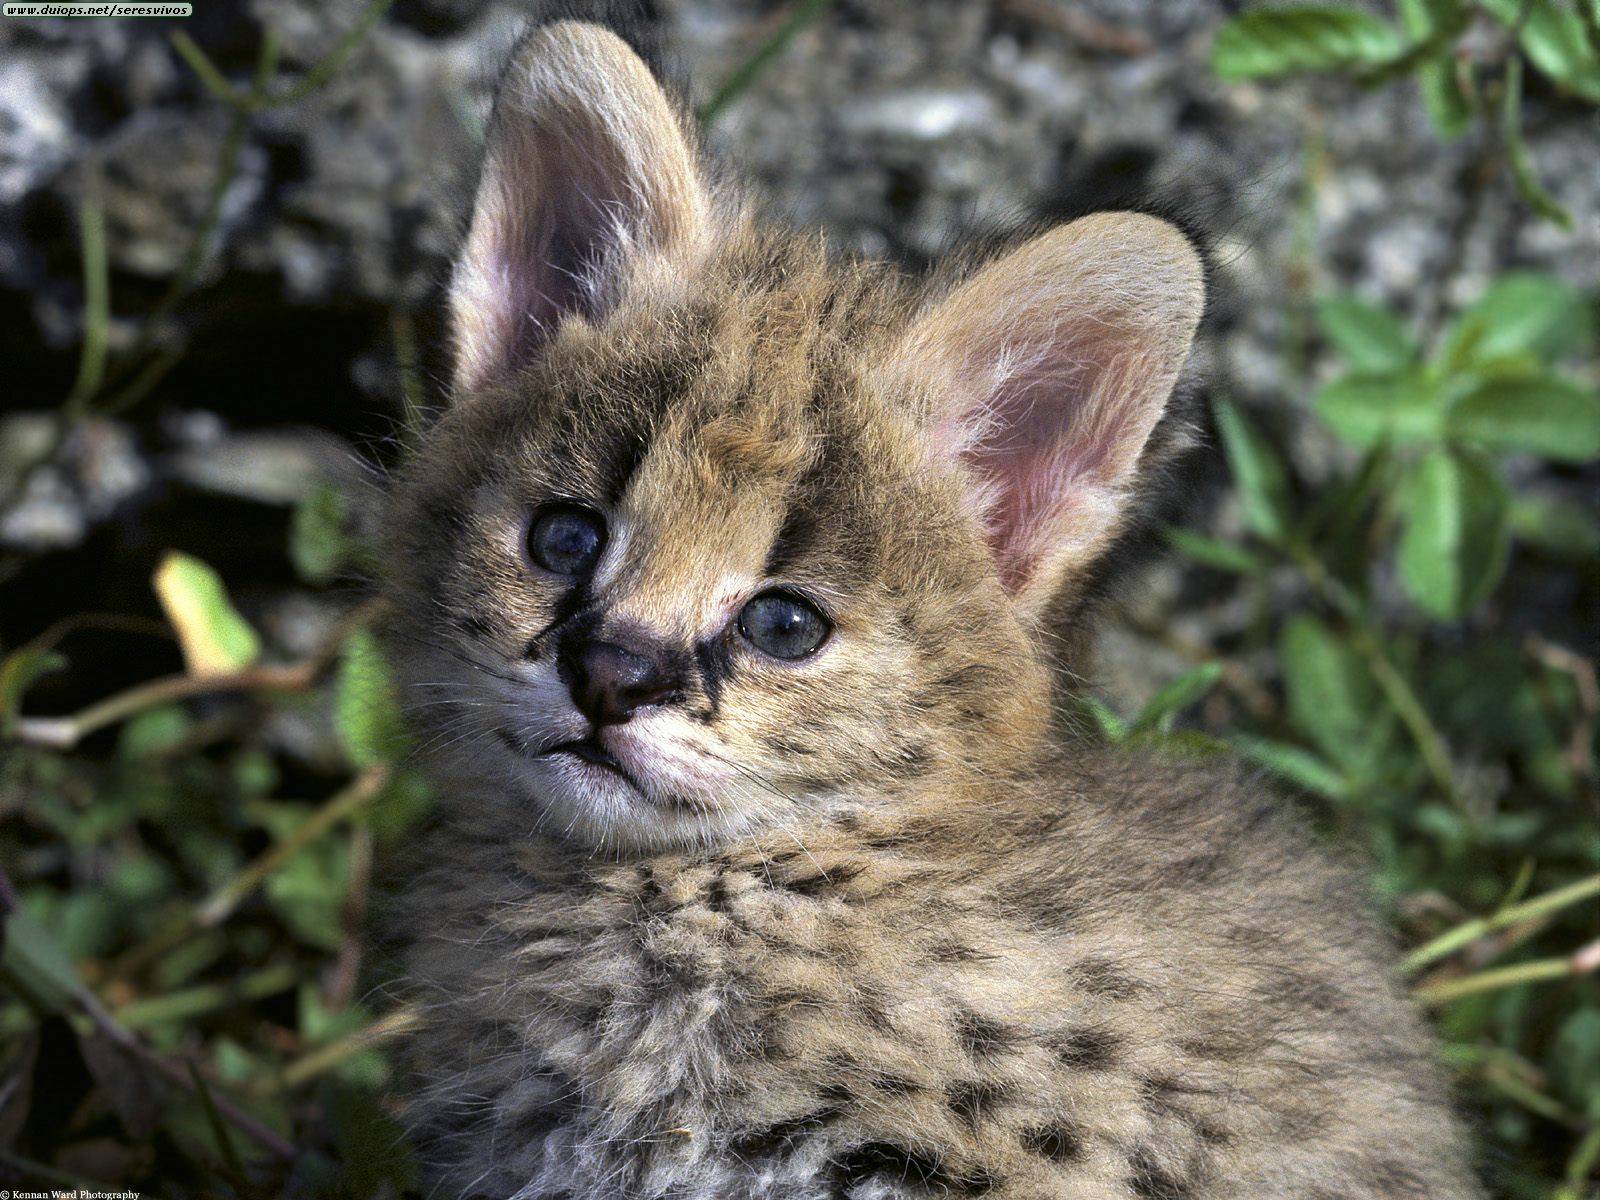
[1050, 442]
[547, 223]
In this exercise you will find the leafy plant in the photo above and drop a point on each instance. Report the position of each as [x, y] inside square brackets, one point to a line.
[1463, 75]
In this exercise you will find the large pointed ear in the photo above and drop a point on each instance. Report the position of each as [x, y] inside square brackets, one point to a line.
[587, 177]
[1049, 369]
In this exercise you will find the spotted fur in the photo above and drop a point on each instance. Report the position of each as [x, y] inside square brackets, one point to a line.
[866, 926]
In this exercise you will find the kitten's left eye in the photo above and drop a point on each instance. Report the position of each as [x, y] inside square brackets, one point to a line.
[566, 539]
[783, 625]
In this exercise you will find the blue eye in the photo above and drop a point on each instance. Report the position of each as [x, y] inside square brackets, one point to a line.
[566, 539]
[783, 625]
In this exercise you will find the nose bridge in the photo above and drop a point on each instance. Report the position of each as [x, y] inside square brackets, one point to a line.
[684, 562]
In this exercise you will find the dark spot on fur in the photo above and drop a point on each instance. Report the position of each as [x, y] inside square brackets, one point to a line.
[1088, 1049]
[1100, 978]
[821, 882]
[1060, 1143]
[1391, 1179]
[1298, 990]
[1197, 868]
[951, 950]
[873, 1007]
[781, 1136]
[717, 893]
[895, 1085]
[970, 1101]
[888, 1162]
[982, 1037]
[1152, 1182]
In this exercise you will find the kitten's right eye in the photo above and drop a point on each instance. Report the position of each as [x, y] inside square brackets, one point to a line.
[566, 539]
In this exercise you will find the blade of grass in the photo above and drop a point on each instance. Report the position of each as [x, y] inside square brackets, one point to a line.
[324, 1058]
[1540, 970]
[1397, 690]
[96, 293]
[1465, 934]
[86, 1003]
[49, 1174]
[328, 65]
[343, 805]
[746, 73]
[206, 71]
[207, 998]
[219, 1131]
[1581, 1166]
[404, 332]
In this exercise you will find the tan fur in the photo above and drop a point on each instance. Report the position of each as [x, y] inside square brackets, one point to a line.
[866, 925]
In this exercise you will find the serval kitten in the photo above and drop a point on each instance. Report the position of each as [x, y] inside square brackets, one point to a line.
[728, 580]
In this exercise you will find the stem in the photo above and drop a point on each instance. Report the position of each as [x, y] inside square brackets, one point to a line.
[1581, 1166]
[215, 909]
[206, 71]
[197, 1001]
[324, 1058]
[745, 74]
[1582, 962]
[1463, 935]
[63, 733]
[343, 804]
[329, 64]
[97, 295]
[1396, 689]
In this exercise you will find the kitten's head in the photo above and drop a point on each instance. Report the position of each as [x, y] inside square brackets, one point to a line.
[717, 535]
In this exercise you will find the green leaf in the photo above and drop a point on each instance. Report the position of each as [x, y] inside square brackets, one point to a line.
[1257, 471]
[1284, 41]
[1424, 17]
[34, 963]
[19, 671]
[1556, 526]
[1402, 409]
[1183, 691]
[308, 891]
[1518, 157]
[1538, 414]
[1332, 697]
[1575, 1060]
[1522, 313]
[153, 733]
[318, 546]
[366, 712]
[1214, 552]
[1552, 37]
[1449, 107]
[215, 639]
[1457, 533]
[1112, 727]
[1295, 764]
[1367, 336]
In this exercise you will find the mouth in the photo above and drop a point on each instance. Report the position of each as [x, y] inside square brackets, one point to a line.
[589, 750]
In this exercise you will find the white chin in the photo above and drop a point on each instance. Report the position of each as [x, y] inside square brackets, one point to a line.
[596, 806]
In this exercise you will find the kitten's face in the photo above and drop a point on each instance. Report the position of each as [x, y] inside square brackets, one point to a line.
[676, 581]
[717, 536]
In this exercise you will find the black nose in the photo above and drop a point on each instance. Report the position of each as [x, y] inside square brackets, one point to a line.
[608, 682]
